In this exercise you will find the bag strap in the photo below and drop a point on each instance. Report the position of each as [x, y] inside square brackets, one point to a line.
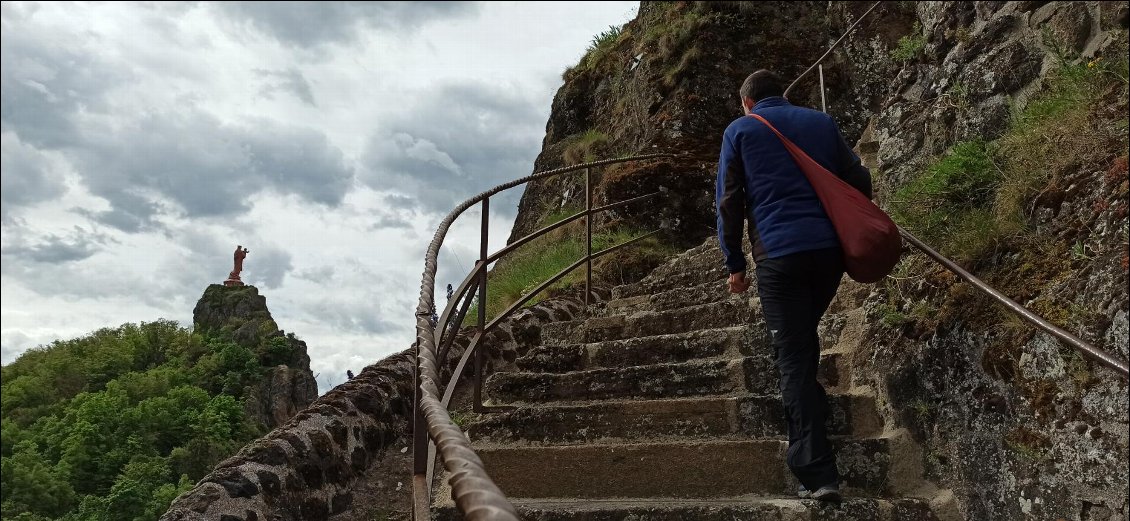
[793, 149]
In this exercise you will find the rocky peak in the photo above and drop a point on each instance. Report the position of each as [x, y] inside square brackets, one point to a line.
[239, 314]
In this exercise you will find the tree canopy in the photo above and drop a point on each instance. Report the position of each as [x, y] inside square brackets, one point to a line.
[114, 425]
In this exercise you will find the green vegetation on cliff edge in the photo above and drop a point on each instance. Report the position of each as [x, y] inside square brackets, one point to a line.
[116, 424]
[975, 195]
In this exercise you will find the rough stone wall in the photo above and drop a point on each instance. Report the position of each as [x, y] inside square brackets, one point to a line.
[316, 466]
[1016, 424]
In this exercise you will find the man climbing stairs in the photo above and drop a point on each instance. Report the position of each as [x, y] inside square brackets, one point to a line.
[662, 404]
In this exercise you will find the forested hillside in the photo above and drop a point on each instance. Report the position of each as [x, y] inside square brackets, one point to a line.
[115, 424]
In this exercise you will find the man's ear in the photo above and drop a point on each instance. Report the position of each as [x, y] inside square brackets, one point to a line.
[747, 104]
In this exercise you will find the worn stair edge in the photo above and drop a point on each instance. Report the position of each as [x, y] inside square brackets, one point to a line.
[720, 376]
[671, 298]
[649, 323]
[734, 341]
[677, 418]
[686, 468]
[685, 269]
[749, 507]
[695, 378]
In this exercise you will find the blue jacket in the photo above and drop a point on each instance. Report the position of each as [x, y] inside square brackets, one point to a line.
[758, 180]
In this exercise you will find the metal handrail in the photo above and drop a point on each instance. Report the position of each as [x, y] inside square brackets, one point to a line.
[830, 49]
[1083, 347]
[474, 493]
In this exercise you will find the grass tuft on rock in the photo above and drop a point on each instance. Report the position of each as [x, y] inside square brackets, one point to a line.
[979, 192]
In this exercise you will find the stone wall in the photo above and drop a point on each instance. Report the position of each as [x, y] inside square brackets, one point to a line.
[310, 467]
[1015, 423]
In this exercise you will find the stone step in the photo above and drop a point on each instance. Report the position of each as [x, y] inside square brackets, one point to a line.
[674, 279]
[649, 323]
[688, 468]
[672, 298]
[700, 265]
[699, 417]
[835, 370]
[678, 347]
[706, 344]
[695, 378]
[750, 507]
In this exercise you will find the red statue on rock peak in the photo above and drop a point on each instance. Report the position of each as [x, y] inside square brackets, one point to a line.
[233, 277]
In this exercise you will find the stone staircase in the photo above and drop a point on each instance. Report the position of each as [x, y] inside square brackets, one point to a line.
[662, 404]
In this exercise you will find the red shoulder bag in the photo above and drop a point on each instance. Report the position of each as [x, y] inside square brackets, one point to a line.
[869, 238]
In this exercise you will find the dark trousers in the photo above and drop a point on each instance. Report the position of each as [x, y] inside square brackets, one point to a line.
[795, 290]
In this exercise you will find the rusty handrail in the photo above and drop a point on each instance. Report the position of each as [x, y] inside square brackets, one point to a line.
[533, 235]
[1085, 348]
[830, 49]
[1088, 350]
[472, 489]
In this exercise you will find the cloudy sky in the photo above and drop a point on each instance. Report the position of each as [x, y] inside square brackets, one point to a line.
[143, 141]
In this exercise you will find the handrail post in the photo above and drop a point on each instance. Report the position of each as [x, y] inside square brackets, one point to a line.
[477, 404]
[588, 236]
[421, 489]
[823, 100]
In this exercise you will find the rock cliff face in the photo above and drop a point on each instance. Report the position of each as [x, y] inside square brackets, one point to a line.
[240, 314]
[1018, 425]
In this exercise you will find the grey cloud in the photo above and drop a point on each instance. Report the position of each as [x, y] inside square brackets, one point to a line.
[140, 163]
[401, 202]
[313, 24]
[485, 136]
[206, 167]
[320, 274]
[291, 81]
[326, 382]
[89, 278]
[44, 81]
[130, 212]
[12, 344]
[391, 221]
[270, 266]
[206, 259]
[354, 315]
[54, 249]
[370, 301]
[27, 178]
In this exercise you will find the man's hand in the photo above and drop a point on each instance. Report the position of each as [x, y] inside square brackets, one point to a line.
[738, 282]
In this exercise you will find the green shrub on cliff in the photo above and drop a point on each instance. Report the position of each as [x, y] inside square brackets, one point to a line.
[601, 45]
[114, 425]
[977, 193]
[586, 147]
[947, 204]
[544, 257]
[910, 47]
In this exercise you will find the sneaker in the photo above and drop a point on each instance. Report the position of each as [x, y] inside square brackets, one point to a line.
[828, 493]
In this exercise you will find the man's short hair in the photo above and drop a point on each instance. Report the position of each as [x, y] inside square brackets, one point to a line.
[762, 84]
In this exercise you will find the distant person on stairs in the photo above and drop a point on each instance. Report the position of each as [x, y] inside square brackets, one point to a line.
[797, 254]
